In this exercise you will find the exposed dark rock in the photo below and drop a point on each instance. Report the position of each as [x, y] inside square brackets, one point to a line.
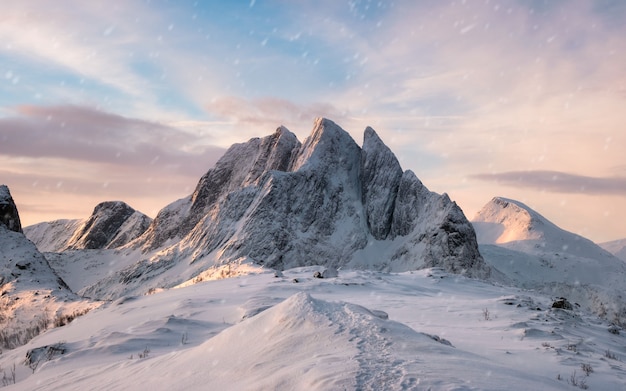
[8, 211]
[562, 303]
[112, 224]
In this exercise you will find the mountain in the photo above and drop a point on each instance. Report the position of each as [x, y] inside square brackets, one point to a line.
[527, 250]
[112, 224]
[616, 247]
[32, 295]
[510, 222]
[280, 203]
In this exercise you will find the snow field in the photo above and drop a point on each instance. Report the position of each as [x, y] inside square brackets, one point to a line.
[264, 332]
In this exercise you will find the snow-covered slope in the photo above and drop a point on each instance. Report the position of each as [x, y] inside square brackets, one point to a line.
[52, 236]
[31, 294]
[282, 204]
[616, 247]
[112, 224]
[532, 252]
[510, 222]
[363, 330]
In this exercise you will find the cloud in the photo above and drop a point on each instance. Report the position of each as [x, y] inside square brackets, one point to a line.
[59, 158]
[559, 182]
[83, 134]
[269, 112]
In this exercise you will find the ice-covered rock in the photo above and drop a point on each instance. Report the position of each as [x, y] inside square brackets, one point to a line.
[517, 226]
[381, 175]
[8, 211]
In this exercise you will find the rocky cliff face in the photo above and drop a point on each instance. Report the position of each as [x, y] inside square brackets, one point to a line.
[112, 224]
[8, 211]
[325, 201]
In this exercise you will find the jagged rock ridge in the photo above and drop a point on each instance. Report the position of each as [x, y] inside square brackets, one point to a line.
[112, 224]
[284, 204]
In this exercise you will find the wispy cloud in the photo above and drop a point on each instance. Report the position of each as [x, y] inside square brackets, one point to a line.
[75, 133]
[268, 112]
[73, 155]
[559, 182]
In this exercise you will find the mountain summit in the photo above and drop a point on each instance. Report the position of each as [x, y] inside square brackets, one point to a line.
[531, 252]
[515, 225]
[287, 204]
[112, 224]
[277, 202]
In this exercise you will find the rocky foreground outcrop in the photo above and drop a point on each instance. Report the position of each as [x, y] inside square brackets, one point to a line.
[8, 211]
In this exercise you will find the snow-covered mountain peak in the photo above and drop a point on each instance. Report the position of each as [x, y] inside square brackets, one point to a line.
[504, 220]
[508, 222]
[109, 225]
[8, 211]
[281, 204]
[328, 146]
[533, 252]
[112, 224]
[381, 175]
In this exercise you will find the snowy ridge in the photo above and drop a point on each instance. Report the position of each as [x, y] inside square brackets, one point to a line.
[616, 247]
[112, 224]
[510, 222]
[282, 204]
[52, 236]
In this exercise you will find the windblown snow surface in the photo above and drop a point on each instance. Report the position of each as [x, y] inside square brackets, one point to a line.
[359, 331]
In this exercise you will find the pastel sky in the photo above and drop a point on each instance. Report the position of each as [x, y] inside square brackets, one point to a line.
[135, 100]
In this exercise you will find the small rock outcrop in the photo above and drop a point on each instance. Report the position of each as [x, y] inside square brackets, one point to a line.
[8, 211]
[563, 304]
